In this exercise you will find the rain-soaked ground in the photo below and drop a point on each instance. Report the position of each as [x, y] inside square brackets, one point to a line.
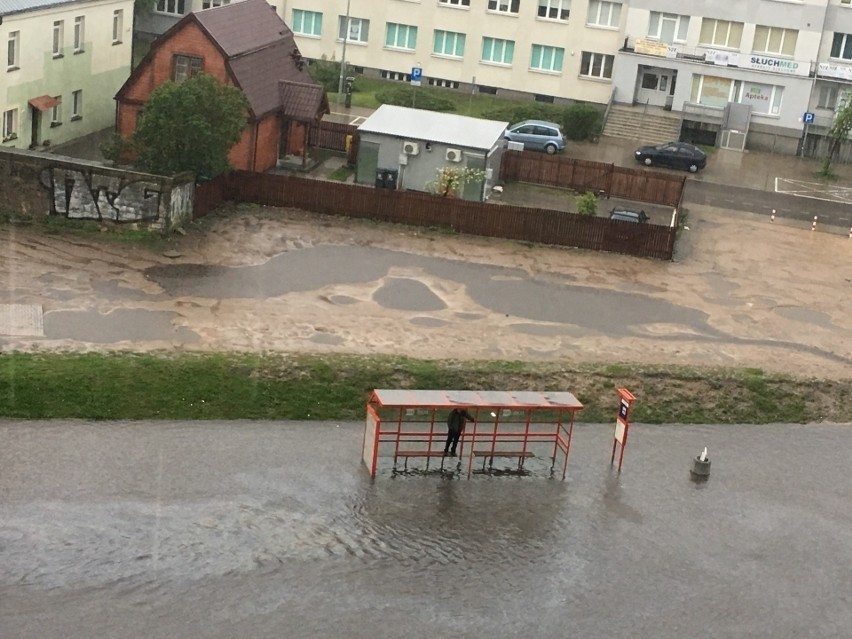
[246, 529]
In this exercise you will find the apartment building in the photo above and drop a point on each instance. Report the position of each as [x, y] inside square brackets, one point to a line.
[554, 50]
[65, 59]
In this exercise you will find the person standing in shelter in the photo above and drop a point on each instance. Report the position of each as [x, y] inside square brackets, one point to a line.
[456, 421]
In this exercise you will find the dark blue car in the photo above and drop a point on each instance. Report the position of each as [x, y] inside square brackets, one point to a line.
[675, 155]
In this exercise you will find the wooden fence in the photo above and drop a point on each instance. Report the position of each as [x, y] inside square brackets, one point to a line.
[419, 209]
[333, 135]
[586, 175]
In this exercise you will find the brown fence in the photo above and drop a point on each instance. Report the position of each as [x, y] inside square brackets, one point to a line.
[586, 175]
[474, 218]
[209, 196]
[333, 136]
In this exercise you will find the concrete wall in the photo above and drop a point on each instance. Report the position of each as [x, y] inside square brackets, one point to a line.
[36, 184]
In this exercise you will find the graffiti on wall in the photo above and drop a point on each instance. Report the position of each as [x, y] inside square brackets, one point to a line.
[86, 194]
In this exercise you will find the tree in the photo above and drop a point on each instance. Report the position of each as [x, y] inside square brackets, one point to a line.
[452, 180]
[587, 204]
[190, 126]
[838, 132]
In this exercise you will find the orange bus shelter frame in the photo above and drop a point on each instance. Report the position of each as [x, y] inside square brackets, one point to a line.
[387, 410]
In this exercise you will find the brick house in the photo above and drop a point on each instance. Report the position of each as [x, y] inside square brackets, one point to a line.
[245, 45]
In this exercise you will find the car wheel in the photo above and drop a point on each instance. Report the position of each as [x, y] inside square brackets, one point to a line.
[550, 149]
[647, 161]
[693, 168]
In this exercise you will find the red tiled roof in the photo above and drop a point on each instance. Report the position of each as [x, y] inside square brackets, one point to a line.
[302, 101]
[44, 102]
[242, 27]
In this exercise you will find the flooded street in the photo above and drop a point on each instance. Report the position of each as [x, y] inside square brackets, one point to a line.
[247, 529]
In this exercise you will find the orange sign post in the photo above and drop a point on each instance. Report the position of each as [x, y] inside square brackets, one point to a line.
[622, 425]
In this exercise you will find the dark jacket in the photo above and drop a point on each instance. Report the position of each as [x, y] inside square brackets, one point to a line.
[457, 418]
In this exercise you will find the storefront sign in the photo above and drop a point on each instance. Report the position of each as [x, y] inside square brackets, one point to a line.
[834, 71]
[655, 47]
[722, 58]
[776, 65]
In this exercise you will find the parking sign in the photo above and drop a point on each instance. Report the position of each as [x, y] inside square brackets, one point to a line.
[808, 117]
[416, 76]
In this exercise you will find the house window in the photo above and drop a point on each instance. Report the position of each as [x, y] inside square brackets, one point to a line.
[56, 112]
[359, 29]
[209, 4]
[841, 46]
[77, 104]
[401, 36]
[13, 52]
[448, 43]
[554, 9]
[668, 27]
[504, 6]
[763, 98]
[596, 65]
[186, 67]
[775, 40]
[827, 97]
[498, 51]
[546, 58]
[721, 33]
[603, 13]
[58, 37]
[455, 3]
[79, 33]
[307, 22]
[447, 84]
[117, 20]
[10, 124]
[171, 7]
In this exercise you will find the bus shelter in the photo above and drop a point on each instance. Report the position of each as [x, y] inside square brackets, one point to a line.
[406, 424]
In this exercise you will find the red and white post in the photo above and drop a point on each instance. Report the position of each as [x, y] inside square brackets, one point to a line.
[622, 425]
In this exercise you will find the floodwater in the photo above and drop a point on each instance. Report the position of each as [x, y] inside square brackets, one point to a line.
[247, 529]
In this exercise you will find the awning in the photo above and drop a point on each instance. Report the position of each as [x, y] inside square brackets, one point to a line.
[44, 102]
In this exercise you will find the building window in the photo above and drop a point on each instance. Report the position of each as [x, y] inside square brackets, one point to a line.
[448, 43]
[77, 104]
[117, 20]
[775, 40]
[58, 37]
[10, 124]
[547, 58]
[396, 75]
[401, 36]
[56, 112]
[721, 33]
[827, 97]
[209, 4]
[498, 51]
[504, 6]
[596, 65]
[668, 27]
[554, 9]
[359, 29]
[171, 7]
[486, 89]
[79, 33]
[186, 67]
[307, 22]
[547, 99]
[455, 3]
[845, 1]
[13, 52]
[447, 84]
[841, 46]
[603, 13]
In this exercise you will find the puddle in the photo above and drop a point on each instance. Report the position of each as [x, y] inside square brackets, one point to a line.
[136, 325]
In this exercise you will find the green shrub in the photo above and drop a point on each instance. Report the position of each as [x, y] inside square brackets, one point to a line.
[327, 73]
[404, 96]
[581, 121]
[578, 121]
[587, 204]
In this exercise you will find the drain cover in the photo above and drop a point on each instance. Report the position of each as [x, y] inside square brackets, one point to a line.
[21, 319]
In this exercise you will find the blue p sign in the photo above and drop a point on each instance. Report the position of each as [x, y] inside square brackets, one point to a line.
[808, 117]
[416, 76]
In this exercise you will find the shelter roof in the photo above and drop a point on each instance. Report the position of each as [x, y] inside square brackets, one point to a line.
[474, 399]
[444, 128]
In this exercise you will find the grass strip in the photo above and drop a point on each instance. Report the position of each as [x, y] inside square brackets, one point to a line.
[335, 387]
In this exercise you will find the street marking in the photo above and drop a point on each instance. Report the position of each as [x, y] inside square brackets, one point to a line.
[21, 320]
[814, 190]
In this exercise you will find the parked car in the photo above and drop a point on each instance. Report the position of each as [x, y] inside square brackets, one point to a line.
[537, 135]
[676, 155]
[628, 215]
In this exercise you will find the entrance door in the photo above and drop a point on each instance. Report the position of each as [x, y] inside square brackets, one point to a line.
[36, 120]
[656, 86]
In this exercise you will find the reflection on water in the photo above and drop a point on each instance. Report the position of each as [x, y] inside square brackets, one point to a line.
[275, 530]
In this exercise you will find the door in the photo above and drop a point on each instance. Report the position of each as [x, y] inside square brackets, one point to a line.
[655, 86]
[36, 121]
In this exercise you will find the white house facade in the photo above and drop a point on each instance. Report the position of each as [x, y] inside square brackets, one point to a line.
[63, 62]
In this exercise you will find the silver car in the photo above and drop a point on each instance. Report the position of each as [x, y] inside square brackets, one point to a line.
[537, 135]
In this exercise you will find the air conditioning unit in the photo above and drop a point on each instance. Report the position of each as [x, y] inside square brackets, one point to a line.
[454, 155]
[410, 148]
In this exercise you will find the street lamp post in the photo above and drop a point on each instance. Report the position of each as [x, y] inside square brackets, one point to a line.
[343, 58]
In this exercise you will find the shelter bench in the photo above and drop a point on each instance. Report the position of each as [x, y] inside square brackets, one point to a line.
[489, 455]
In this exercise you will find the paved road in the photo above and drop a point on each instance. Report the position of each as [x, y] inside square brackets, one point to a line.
[758, 201]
